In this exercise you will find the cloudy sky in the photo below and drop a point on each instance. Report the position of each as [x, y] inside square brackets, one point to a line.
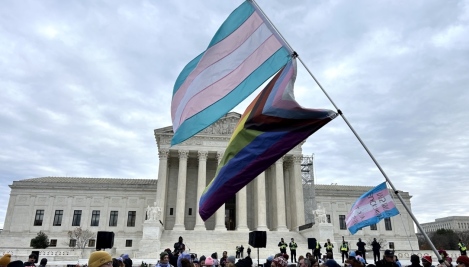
[84, 83]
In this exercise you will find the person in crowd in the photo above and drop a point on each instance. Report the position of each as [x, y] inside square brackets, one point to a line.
[178, 247]
[353, 261]
[283, 246]
[376, 250]
[202, 260]
[31, 260]
[344, 250]
[446, 260]
[127, 260]
[17, 263]
[229, 264]
[231, 259]
[208, 261]
[462, 261]
[293, 246]
[329, 247]
[164, 260]
[183, 255]
[279, 262]
[303, 262]
[358, 256]
[196, 262]
[237, 252]
[241, 251]
[462, 247]
[223, 258]
[361, 247]
[414, 261]
[317, 251]
[5, 259]
[100, 259]
[43, 262]
[249, 251]
[215, 259]
[268, 261]
[330, 262]
[427, 261]
[185, 262]
[388, 260]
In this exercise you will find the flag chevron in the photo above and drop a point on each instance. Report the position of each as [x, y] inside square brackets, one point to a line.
[242, 55]
[270, 127]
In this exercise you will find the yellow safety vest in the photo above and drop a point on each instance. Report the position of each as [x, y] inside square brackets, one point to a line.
[343, 247]
[462, 247]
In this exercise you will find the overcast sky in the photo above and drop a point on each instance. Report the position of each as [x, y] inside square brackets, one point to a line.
[84, 83]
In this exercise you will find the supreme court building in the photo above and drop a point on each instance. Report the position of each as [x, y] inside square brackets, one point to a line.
[273, 202]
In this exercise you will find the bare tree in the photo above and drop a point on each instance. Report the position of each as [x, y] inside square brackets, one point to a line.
[381, 241]
[81, 238]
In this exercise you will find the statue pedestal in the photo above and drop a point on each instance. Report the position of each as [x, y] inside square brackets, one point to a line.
[322, 232]
[149, 246]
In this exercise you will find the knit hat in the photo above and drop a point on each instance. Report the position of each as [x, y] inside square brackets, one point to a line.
[427, 258]
[99, 258]
[16, 264]
[463, 259]
[125, 256]
[414, 258]
[202, 258]
[209, 261]
[280, 262]
[449, 259]
[352, 254]
[5, 260]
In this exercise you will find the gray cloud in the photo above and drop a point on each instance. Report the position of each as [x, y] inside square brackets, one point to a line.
[84, 83]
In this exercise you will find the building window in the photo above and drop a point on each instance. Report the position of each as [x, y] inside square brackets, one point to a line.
[387, 224]
[374, 227]
[170, 211]
[39, 217]
[53, 243]
[113, 218]
[128, 243]
[73, 243]
[391, 245]
[190, 211]
[95, 218]
[131, 218]
[58, 218]
[343, 226]
[91, 243]
[76, 218]
[328, 217]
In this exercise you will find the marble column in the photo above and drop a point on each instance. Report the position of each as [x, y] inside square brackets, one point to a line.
[299, 205]
[201, 184]
[241, 210]
[280, 193]
[181, 191]
[162, 181]
[261, 203]
[288, 184]
[220, 213]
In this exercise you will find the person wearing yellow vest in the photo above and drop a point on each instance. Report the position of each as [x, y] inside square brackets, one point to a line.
[293, 246]
[344, 250]
[462, 247]
[329, 247]
[283, 246]
[317, 251]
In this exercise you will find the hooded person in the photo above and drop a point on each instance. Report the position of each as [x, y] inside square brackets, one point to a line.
[5, 259]
[164, 260]
[43, 262]
[414, 261]
[427, 261]
[463, 260]
[127, 260]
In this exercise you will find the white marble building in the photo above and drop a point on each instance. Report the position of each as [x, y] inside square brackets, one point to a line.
[455, 223]
[273, 202]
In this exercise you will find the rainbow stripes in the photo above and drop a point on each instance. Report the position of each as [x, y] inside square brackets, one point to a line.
[242, 55]
[370, 208]
[271, 126]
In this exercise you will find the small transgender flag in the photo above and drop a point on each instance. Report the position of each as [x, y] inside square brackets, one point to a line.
[370, 208]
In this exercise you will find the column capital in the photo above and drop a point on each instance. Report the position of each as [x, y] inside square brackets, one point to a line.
[183, 154]
[163, 153]
[202, 155]
[220, 156]
[297, 158]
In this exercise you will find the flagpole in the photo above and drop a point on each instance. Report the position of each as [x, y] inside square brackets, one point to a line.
[257, 7]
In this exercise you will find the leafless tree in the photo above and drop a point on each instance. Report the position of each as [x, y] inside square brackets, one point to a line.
[81, 237]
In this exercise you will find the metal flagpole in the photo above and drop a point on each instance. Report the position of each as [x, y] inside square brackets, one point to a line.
[257, 7]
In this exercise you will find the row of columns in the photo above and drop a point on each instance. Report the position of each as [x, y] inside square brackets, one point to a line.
[296, 190]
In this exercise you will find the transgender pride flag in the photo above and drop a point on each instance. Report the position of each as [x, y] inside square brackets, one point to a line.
[370, 208]
[243, 54]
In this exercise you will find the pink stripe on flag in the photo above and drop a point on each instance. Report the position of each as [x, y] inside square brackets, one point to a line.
[356, 218]
[222, 87]
[217, 52]
[376, 196]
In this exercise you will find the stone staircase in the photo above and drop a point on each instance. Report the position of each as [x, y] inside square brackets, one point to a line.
[208, 242]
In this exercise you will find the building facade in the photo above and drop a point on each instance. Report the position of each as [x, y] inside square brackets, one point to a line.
[273, 202]
[455, 223]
